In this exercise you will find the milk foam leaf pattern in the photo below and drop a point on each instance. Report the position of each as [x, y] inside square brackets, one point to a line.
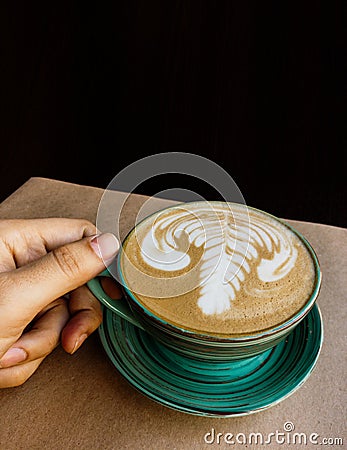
[243, 244]
[237, 245]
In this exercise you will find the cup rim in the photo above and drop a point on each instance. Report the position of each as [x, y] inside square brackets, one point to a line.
[227, 337]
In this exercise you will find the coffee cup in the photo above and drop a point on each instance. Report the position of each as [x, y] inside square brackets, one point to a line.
[214, 281]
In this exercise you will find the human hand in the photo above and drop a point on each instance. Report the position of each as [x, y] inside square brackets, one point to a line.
[42, 260]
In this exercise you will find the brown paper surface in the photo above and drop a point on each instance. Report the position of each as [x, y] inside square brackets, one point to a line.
[81, 401]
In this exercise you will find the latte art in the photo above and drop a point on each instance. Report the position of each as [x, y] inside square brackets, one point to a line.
[232, 245]
[218, 267]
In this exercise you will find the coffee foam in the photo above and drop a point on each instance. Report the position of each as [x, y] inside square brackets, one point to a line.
[218, 268]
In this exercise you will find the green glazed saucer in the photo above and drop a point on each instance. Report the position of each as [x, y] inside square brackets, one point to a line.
[225, 389]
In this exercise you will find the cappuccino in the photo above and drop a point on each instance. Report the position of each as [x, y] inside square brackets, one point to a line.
[218, 268]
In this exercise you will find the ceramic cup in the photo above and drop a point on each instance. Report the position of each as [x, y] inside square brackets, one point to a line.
[203, 347]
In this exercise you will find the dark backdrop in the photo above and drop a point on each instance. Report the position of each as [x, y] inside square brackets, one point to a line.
[86, 89]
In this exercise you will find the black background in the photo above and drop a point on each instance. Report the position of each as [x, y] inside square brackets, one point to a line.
[259, 88]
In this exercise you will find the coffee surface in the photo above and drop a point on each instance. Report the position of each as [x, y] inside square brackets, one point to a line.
[218, 268]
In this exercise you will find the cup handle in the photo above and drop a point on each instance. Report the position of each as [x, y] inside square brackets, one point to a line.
[119, 306]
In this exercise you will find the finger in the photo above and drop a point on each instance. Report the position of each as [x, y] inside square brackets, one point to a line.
[23, 241]
[17, 375]
[41, 340]
[86, 317]
[65, 268]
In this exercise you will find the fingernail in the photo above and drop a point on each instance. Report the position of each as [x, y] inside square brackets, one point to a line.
[105, 245]
[13, 356]
[79, 342]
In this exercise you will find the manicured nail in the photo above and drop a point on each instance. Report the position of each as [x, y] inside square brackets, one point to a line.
[79, 342]
[13, 356]
[105, 245]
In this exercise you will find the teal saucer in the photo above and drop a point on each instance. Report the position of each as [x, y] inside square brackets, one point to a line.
[224, 389]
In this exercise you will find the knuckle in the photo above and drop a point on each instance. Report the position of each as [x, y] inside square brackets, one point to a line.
[67, 261]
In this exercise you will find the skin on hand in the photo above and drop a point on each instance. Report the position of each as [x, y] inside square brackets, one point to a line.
[44, 265]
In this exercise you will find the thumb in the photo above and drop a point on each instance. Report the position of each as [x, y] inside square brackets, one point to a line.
[30, 288]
